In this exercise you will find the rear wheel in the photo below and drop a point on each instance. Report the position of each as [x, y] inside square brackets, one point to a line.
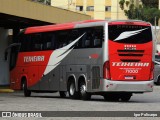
[111, 97]
[82, 89]
[158, 81]
[63, 94]
[27, 93]
[125, 97]
[72, 90]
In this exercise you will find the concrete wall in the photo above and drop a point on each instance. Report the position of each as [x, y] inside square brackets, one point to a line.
[4, 65]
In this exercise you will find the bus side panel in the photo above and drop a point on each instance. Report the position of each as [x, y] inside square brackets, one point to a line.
[48, 82]
[32, 76]
[33, 65]
[86, 63]
[63, 79]
[15, 79]
[54, 79]
[44, 79]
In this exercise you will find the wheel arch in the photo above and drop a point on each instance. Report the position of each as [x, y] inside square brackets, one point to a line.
[156, 81]
[71, 77]
[81, 78]
[23, 78]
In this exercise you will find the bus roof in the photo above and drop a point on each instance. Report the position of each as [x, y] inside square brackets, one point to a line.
[71, 25]
[56, 27]
[131, 22]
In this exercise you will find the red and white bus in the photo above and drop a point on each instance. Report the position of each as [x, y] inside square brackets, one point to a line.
[109, 58]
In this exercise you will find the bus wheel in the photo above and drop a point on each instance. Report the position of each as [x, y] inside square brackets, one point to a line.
[125, 97]
[158, 81]
[22, 85]
[63, 94]
[72, 90]
[27, 93]
[82, 89]
[111, 97]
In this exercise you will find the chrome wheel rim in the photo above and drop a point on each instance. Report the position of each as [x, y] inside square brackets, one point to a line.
[83, 89]
[72, 89]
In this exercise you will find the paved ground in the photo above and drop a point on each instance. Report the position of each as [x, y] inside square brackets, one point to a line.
[52, 102]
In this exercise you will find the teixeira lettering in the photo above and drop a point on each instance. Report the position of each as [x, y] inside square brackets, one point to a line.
[33, 58]
[134, 64]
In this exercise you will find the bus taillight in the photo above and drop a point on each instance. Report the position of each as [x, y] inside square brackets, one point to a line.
[152, 71]
[106, 71]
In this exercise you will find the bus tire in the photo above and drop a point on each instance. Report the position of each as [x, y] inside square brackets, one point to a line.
[22, 85]
[125, 97]
[72, 90]
[83, 93]
[27, 93]
[158, 81]
[63, 94]
[111, 97]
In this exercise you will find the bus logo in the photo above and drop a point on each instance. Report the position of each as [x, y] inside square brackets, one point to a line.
[33, 58]
[128, 34]
[130, 64]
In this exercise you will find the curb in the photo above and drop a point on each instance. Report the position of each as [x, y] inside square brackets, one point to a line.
[6, 90]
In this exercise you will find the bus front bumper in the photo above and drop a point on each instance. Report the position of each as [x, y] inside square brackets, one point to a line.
[127, 86]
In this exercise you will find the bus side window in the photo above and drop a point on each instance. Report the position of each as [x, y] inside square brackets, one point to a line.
[87, 43]
[74, 35]
[36, 44]
[98, 37]
[53, 42]
[26, 43]
[97, 42]
[46, 41]
[62, 38]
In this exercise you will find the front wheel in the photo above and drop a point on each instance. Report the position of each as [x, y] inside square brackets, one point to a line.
[27, 93]
[82, 89]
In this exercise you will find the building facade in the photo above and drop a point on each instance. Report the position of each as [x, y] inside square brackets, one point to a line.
[97, 9]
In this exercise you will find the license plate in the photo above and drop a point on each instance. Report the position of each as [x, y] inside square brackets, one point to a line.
[129, 77]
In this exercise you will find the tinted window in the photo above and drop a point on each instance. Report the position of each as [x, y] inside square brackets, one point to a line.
[37, 42]
[130, 34]
[92, 38]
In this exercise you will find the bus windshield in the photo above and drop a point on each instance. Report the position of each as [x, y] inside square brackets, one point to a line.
[131, 34]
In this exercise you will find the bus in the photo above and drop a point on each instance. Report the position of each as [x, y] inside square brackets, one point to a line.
[114, 59]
